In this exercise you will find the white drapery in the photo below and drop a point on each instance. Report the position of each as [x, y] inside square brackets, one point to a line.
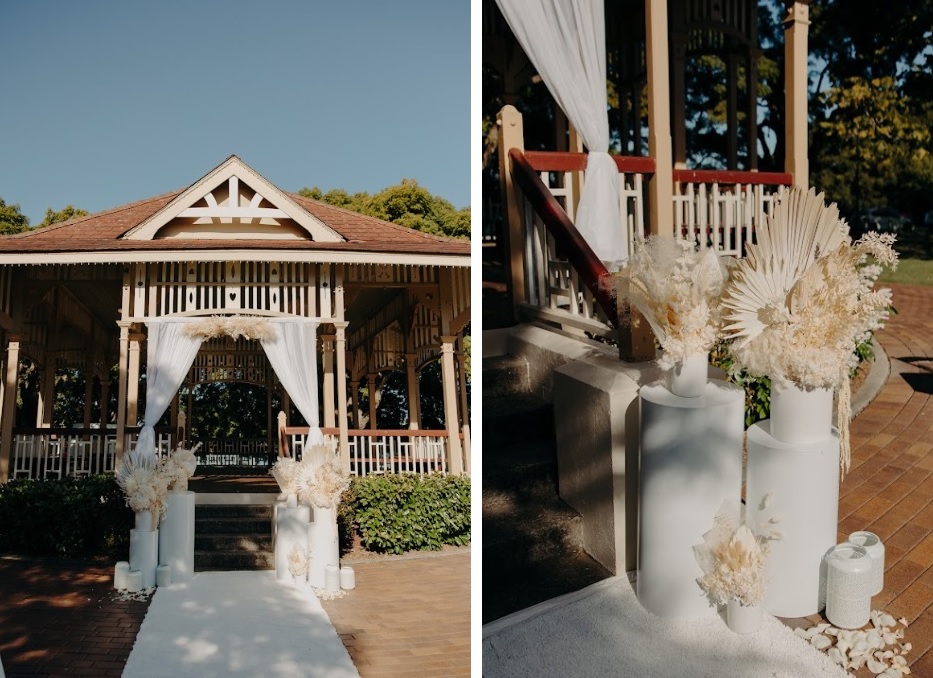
[566, 42]
[170, 352]
[293, 356]
[169, 355]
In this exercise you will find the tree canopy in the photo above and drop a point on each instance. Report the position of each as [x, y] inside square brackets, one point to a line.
[64, 214]
[12, 220]
[408, 204]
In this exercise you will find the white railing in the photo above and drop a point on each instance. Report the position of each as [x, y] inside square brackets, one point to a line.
[234, 452]
[382, 452]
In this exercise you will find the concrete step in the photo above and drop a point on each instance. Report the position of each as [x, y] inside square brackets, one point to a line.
[253, 543]
[233, 537]
[527, 469]
[205, 561]
[516, 418]
[504, 376]
[221, 511]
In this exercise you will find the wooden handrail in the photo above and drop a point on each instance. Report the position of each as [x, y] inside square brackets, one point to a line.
[371, 433]
[565, 234]
[563, 161]
[685, 176]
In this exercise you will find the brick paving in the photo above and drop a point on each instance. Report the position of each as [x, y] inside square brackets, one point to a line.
[408, 616]
[57, 618]
[889, 490]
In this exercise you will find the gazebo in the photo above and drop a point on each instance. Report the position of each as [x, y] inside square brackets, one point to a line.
[368, 296]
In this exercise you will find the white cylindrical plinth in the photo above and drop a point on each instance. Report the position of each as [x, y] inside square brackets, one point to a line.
[347, 578]
[325, 549]
[742, 619]
[144, 555]
[803, 481]
[691, 461]
[848, 586]
[872, 543]
[291, 531]
[119, 574]
[176, 535]
[799, 416]
[688, 378]
[332, 578]
[144, 521]
[164, 575]
[134, 581]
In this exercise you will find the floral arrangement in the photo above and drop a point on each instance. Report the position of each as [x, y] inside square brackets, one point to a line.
[235, 326]
[320, 479]
[677, 288]
[284, 471]
[143, 482]
[297, 563]
[799, 302]
[879, 647]
[733, 556]
[180, 465]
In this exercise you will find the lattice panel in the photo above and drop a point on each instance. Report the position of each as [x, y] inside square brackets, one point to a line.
[390, 274]
[244, 361]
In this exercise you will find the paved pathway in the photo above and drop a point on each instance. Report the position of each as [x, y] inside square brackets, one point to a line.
[889, 490]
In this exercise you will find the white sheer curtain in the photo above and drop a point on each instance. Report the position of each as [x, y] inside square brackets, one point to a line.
[169, 355]
[293, 356]
[566, 42]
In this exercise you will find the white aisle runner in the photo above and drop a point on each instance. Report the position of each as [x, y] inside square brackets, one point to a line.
[604, 631]
[237, 624]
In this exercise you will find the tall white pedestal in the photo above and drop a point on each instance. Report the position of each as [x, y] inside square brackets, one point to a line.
[144, 555]
[803, 480]
[691, 461]
[291, 529]
[325, 547]
[176, 535]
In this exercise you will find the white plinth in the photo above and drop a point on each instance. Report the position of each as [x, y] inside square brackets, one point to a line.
[164, 575]
[119, 574]
[176, 535]
[325, 548]
[291, 530]
[134, 581]
[691, 461]
[332, 578]
[799, 416]
[144, 555]
[872, 543]
[848, 586]
[803, 480]
[347, 578]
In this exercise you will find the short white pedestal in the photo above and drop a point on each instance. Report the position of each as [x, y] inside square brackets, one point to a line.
[144, 555]
[803, 479]
[691, 461]
[176, 535]
[119, 574]
[291, 530]
[325, 548]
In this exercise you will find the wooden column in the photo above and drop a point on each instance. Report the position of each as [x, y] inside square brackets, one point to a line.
[464, 408]
[88, 398]
[414, 391]
[451, 418]
[340, 347]
[511, 135]
[796, 27]
[105, 400]
[327, 361]
[355, 401]
[46, 403]
[122, 390]
[8, 416]
[679, 104]
[132, 392]
[371, 385]
[661, 185]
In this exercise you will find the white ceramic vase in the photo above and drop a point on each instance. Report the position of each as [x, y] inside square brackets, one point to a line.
[743, 619]
[872, 543]
[801, 416]
[144, 521]
[688, 378]
[848, 586]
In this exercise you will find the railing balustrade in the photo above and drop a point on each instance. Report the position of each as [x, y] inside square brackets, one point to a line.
[380, 451]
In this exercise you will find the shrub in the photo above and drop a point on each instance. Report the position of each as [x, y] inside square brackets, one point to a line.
[67, 517]
[398, 513]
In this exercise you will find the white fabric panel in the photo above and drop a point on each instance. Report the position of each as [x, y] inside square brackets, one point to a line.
[566, 42]
[293, 356]
[169, 355]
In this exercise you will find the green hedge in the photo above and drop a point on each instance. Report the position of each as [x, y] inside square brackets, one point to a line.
[70, 517]
[407, 512]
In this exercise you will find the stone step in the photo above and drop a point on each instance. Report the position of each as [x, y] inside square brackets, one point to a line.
[221, 511]
[232, 525]
[505, 376]
[205, 561]
[527, 469]
[516, 418]
[252, 543]
[233, 537]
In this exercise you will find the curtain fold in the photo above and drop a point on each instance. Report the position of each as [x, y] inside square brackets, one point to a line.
[566, 42]
[169, 355]
[293, 356]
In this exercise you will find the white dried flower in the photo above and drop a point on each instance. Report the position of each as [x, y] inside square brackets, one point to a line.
[284, 471]
[297, 562]
[249, 327]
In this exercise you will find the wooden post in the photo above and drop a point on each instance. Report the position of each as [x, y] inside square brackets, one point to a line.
[511, 135]
[121, 391]
[464, 408]
[661, 185]
[795, 91]
[371, 385]
[340, 346]
[451, 418]
[132, 392]
[8, 416]
[105, 400]
[88, 398]
[414, 391]
[327, 343]
[355, 401]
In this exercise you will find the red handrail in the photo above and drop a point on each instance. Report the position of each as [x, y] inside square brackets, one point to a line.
[566, 236]
[562, 161]
[684, 176]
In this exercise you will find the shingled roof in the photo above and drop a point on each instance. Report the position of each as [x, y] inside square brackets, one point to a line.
[106, 232]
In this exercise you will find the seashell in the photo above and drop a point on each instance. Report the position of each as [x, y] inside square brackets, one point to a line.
[873, 638]
[802, 633]
[836, 655]
[876, 666]
[820, 642]
[889, 637]
[822, 627]
[900, 660]
[907, 648]
[888, 620]
[902, 621]
[832, 631]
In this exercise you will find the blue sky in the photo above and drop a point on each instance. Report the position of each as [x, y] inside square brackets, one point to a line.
[107, 102]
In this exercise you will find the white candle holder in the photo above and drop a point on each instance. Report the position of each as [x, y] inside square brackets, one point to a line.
[848, 586]
[119, 574]
[871, 542]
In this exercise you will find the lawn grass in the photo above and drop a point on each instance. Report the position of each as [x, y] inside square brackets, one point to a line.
[916, 260]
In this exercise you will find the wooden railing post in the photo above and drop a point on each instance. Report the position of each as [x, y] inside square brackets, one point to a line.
[512, 136]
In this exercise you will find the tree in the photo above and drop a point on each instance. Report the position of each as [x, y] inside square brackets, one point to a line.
[408, 204]
[68, 212]
[12, 220]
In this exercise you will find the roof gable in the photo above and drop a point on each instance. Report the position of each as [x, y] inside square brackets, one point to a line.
[233, 201]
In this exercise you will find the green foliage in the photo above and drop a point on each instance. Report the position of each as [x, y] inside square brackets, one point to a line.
[64, 214]
[12, 220]
[399, 513]
[69, 517]
[407, 204]
[757, 389]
